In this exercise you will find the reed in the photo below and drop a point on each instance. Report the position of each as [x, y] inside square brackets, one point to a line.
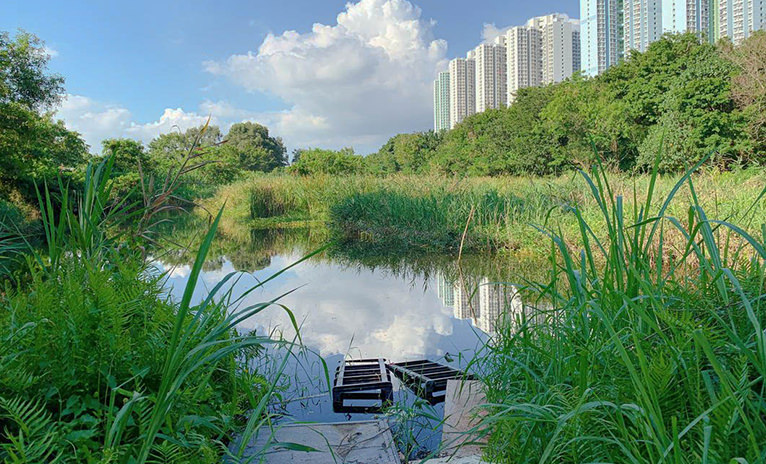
[505, 207]
[634, 359]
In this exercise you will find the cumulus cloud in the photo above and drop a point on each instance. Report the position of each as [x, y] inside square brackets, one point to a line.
[97, 121]
[355, 82]
[491, 32]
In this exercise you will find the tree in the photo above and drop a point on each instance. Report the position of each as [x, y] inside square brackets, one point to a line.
[219, 165]
[128, 155]
[476, 146]
[583, 113]
[698, 115]
[297, 155]
[255, 149]
[510, 140]
[749, 84]
[24, 77]
[32, 145]
[318, 161]
[409, 153]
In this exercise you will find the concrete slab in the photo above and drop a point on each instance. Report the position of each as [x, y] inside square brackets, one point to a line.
[364, 442]
[454, 460]
[462, 414]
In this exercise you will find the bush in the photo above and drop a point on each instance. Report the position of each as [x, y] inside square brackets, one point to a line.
[317, 161]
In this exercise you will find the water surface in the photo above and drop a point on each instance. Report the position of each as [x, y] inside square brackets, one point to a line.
[397, 308]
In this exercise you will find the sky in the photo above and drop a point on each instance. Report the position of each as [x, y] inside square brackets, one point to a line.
[318, 73]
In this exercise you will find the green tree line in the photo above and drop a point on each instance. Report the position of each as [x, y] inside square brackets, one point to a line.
[682, 97]
[37, 149]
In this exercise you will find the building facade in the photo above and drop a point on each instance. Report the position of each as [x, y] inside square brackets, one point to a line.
[491, 79]
[560, 37]
[645, 21]
[441, 102]
[462, 94]
[524, 59]
[738, 19]
[544, 51]
[601, 35]
[679, 16]
[642, 23]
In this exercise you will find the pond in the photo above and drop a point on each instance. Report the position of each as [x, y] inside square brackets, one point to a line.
[398, 308]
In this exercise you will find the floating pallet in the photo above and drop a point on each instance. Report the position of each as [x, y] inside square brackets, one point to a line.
[362, 385]
[427, 378]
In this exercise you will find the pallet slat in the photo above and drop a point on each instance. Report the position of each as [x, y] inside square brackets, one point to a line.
[427, 378]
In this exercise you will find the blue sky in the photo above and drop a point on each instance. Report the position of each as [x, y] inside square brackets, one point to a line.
[139, 68]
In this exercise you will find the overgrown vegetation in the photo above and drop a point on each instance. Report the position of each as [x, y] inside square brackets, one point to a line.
[427, 213]
[98, 364]
[36, 149]
[653, 350]
[697, 97]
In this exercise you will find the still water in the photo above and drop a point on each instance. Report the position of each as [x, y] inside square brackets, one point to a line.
[400, 309]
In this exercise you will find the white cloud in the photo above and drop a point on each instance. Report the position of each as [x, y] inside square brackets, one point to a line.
[171, 119]
[491, 32]
[50, 51]
[355, 82]
[97, 121]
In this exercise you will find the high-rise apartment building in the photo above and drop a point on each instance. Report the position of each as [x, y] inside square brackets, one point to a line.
[738, 19]
[465, 301]
[524, 60]
[679, 16]
[462, 94]
[645, 21]
[544, 51]
[601, 35]
[560, 46]
[441, 102]
[490, 75]
[642, 23]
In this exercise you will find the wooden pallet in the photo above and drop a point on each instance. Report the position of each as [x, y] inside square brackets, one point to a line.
[362, 385]
[426, 378]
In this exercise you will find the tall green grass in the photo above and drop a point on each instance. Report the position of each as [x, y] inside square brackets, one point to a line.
[654, 350]
[503, 206]
[393, 221]
[98, 364]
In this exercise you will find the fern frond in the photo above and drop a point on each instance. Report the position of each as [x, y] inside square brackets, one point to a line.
[31, 435]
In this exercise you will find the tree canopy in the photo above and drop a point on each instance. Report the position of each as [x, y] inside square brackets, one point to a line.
[32, 144]
[682, 98]
[319, 161]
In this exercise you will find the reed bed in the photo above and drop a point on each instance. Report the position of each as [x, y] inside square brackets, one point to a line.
[400, 209]
[631, 359]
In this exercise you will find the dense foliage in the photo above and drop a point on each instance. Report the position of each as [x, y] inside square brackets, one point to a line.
[36, 149]
[33, 146]
[318, 161]
[219, 158]
[97, 363]
[681, 97]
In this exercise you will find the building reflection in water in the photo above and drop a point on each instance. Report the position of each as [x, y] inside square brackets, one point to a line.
[485, 303]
